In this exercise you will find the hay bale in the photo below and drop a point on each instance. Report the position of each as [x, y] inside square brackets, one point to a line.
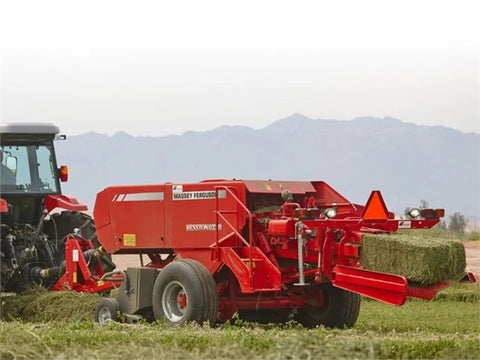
[420, 259]
[40, 305]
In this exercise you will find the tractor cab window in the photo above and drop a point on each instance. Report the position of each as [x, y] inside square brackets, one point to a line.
[28, 169]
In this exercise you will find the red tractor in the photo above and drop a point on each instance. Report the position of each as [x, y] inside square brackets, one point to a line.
[268, 250]
[36, 217]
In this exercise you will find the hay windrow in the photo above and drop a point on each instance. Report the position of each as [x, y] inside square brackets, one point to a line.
[40, 305]
[423, 260]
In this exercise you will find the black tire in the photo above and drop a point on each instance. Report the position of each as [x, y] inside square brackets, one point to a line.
[62, 224]
[340, 310]
[107, 310]
[184, 292]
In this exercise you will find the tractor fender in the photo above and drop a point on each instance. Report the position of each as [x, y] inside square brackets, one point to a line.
[64, 202]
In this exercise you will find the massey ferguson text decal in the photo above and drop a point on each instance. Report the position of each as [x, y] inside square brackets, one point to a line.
[179, 194]
[194, 195]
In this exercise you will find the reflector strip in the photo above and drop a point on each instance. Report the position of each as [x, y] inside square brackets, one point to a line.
[375, 209]
[147, 196]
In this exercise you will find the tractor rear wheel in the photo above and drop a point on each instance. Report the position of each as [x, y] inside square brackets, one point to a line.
[107, 310]
[184, 292]
[62, 224]
[339, 310]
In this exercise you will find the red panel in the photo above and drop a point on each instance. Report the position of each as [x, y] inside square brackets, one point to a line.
[64, 202]
[106, 238]
[253, 274]
[426, 292]
[238, 267]
[190, 217]
[281, 228]
[131, 218]
[388, 288]
[100, 211]
[326, 195]
[351, 250]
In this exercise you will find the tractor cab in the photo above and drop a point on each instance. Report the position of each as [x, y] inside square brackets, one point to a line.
[28, 170]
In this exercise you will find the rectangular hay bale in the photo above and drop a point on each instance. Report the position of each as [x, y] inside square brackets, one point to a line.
[420, 259]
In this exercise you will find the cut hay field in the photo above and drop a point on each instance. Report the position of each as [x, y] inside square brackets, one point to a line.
[448, 327]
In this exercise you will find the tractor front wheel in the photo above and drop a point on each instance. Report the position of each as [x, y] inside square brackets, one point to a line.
[340, 308]
[184, 292]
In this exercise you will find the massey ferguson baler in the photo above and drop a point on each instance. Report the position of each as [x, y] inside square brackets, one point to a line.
[269, 250]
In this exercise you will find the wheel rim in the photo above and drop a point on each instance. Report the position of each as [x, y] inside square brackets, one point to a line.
[174, 301]
[104, 315]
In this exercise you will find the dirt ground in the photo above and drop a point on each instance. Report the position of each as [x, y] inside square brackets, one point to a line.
[124, 261]
[472, 250]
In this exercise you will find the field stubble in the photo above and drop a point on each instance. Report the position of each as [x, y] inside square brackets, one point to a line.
[448, 327]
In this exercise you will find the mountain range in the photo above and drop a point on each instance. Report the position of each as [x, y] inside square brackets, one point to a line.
[407, 162]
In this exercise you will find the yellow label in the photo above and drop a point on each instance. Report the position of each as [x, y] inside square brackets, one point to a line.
[268, 187]
[129, 240]
[100, 283]
[74, 276]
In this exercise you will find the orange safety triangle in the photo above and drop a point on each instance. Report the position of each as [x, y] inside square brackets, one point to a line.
[375, 209]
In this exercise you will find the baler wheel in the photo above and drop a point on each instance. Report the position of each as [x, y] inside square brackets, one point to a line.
[62, 224]
[107, 310]
[340, 309]
[183, 292]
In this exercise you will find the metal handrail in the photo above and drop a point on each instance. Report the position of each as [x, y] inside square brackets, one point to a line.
[219, 214]
[233, 229]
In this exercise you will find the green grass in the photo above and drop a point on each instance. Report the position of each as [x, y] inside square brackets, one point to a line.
[442, 234]
[463, 292]
[447, 328]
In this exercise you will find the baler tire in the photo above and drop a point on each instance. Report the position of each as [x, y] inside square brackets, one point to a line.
[106, 310]
[340, 311]
[62, 224]
[189, 279]
[210, 288]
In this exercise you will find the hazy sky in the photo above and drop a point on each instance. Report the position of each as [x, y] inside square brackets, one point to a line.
[165, 67]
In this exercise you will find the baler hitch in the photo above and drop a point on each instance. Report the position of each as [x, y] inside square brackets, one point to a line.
[82, 270]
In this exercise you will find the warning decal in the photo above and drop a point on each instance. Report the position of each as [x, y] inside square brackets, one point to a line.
[405, 224]
[129, 240]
